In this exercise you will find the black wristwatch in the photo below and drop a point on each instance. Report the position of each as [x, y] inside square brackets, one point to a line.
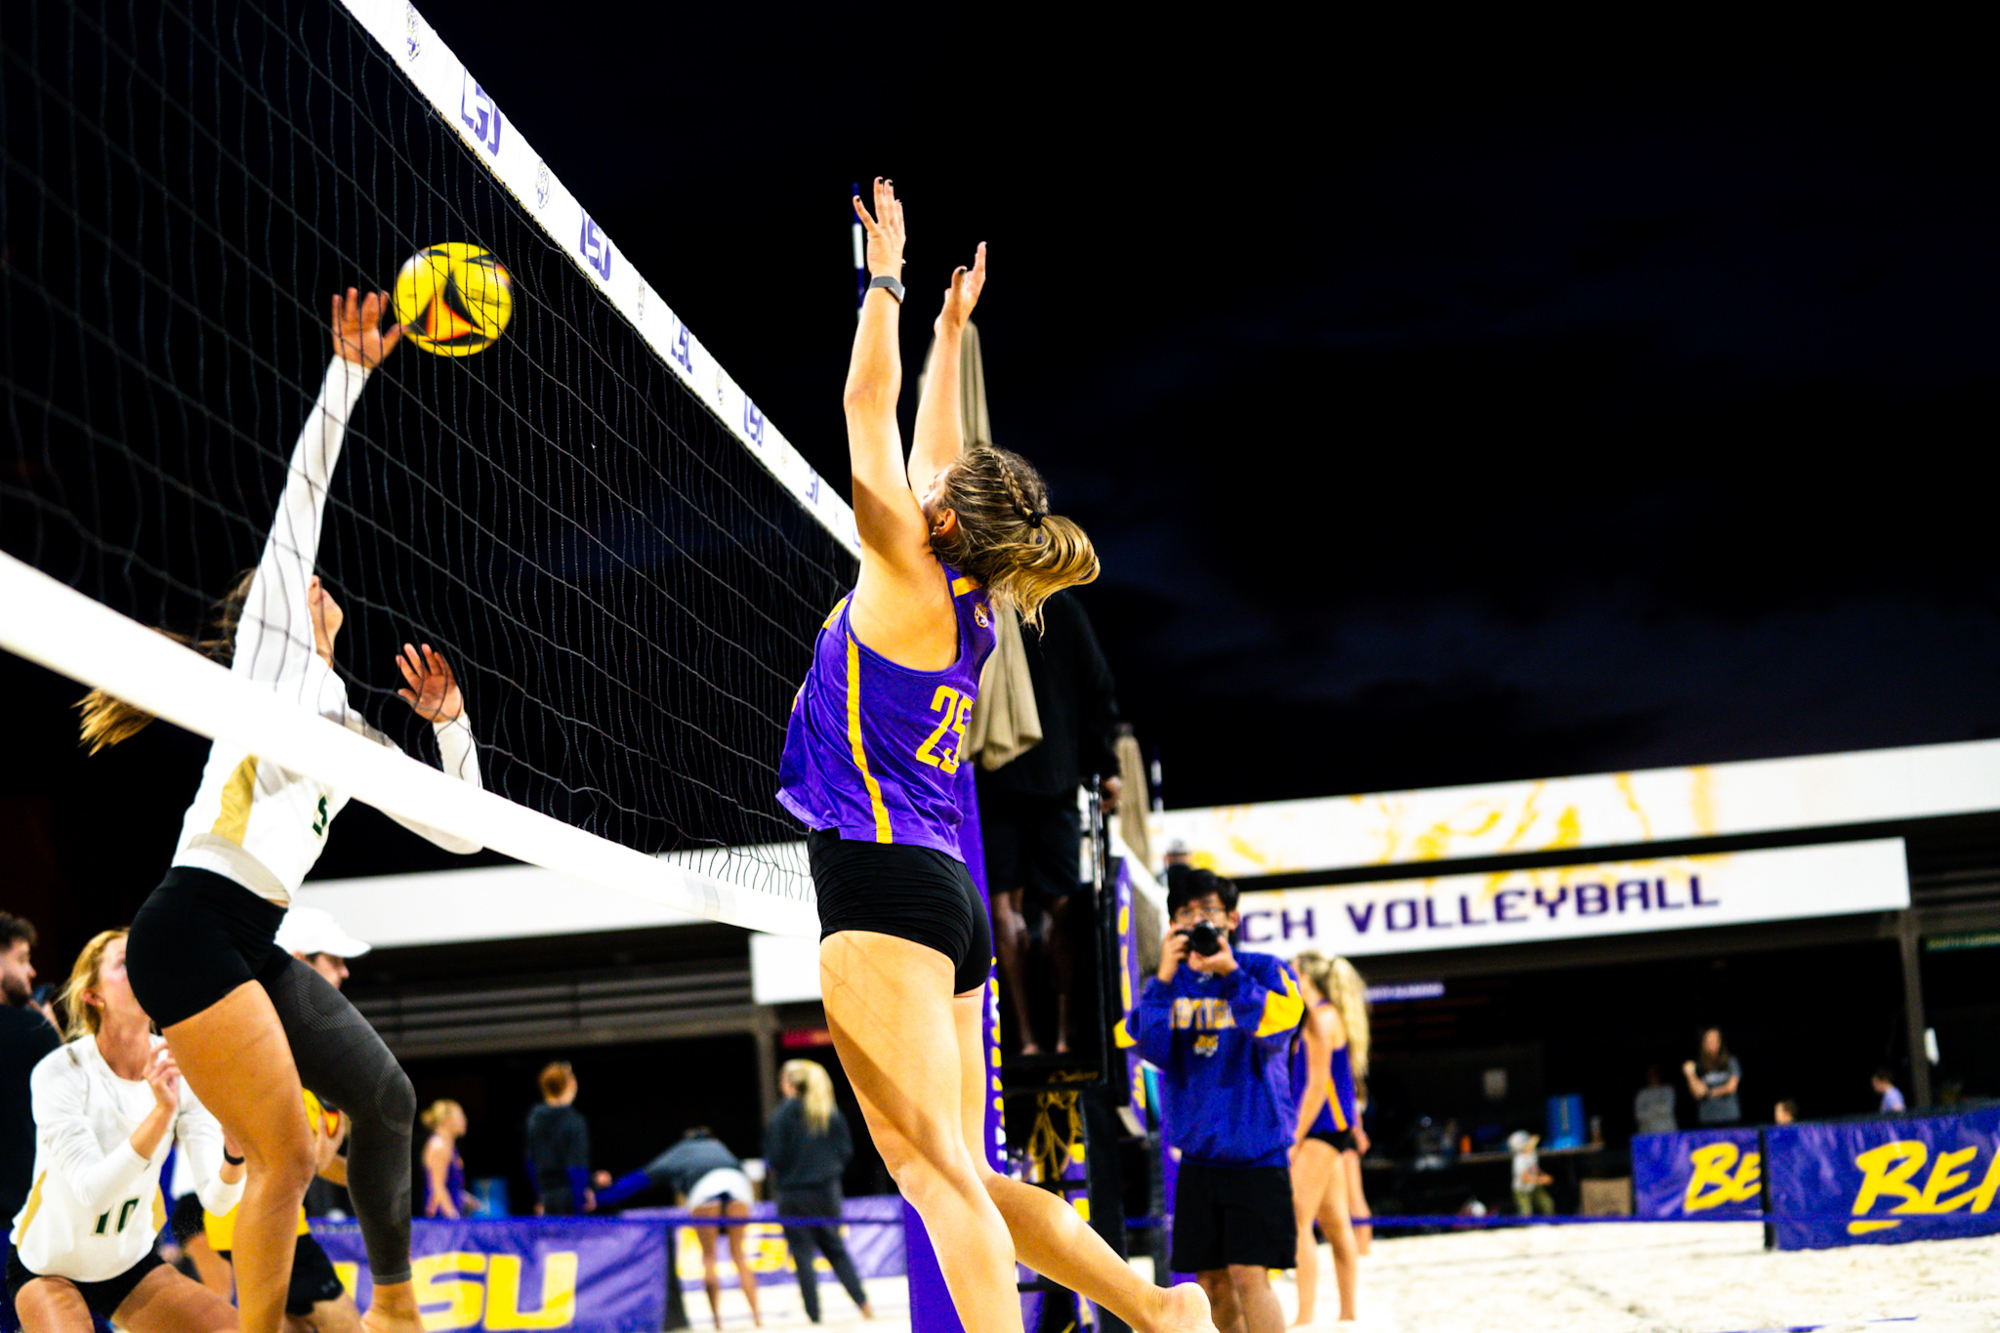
[889, 285]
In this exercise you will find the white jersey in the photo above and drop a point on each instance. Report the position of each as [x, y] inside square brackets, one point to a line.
[255, 823]
[95, 1208]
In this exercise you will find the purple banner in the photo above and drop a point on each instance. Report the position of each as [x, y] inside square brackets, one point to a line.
[1700, 1173]
[587, 1274]
[1875, 1182]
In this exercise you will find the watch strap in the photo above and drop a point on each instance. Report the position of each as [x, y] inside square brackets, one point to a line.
[888, 284]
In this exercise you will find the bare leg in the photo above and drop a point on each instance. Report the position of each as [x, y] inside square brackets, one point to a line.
[739, 1254]
[235, 1057]
[889, 1008]
[711, 1281]
[1010, 938]
[1357, 1202]
[1221, 1293]
[166, 1301]
[215, 1272]
[1261, 1312]
[1048, 1234]
[1313, 1168]
[1333, 1220]
[335, 1316]
[52, 1305]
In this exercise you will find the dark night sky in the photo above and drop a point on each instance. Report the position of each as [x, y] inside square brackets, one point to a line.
[1446, 405]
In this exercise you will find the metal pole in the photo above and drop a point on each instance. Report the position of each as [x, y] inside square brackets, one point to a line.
[1913, 1011]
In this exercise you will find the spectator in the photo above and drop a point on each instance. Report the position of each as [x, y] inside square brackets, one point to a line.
[1027, 807]
[1785, 1112]
[1885, 1087]
[1531, 1183]
[444, 1169]
[1713, 1080]
[1653, 1106]
[27, 1033]
[806, 1147]
[708, 1179]
[1219, 1024]
[558, 1144]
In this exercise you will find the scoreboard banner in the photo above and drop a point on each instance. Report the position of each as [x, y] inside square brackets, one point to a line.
[1708, 1174]
[1873, 1182]
[1580, 901]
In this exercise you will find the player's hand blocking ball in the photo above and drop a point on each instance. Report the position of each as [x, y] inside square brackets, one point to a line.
[358, 335]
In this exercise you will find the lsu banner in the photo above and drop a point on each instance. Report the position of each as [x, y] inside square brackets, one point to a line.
[1701, 1173]
[585, 1274]
[1885, 1181]
[1575, 902]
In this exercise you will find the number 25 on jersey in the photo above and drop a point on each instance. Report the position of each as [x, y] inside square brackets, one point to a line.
[956, 711]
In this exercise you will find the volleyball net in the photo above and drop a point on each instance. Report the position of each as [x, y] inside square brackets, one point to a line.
[551, 481]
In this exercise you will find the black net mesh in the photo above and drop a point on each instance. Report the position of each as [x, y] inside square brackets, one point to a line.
[629, 599]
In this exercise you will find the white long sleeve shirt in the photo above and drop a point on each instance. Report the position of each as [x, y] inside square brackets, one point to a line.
[95, 1207]
[252, 822]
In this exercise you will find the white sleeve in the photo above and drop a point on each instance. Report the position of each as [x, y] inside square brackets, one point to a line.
[458, 755]
[58, 1092]
[200, 1137]
[274, 638]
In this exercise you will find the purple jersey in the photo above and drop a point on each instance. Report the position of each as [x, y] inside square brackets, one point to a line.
[1338, 1112]
[873, 748]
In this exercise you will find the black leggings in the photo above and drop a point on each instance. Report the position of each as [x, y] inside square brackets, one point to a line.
[199, 930]
[805, 1242]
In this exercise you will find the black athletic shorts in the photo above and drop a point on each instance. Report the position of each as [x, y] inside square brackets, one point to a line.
[1033, 843]
[313, 1278]
[103, 1298]
[1341, 1140]
[914, 893]
[1227, 1215]
[196, 938]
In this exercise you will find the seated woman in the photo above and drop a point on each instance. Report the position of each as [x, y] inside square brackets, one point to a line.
[108, 1106]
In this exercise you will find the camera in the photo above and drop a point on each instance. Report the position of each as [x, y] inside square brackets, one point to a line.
[1203, 939]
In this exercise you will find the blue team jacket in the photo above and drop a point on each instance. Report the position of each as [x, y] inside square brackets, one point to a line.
[1221, 1045]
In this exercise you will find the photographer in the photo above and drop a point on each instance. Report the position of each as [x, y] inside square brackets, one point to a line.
[1219, 1024]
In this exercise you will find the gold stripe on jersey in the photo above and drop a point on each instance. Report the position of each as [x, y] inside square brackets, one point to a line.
[34, 1204]
[159, 1208]
[237, 795]
[962, 585]
[882, 830]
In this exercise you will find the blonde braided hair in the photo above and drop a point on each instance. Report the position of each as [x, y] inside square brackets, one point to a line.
[1005, 537]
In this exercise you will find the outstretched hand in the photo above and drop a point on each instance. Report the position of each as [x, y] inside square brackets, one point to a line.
[433, 689]
[966, 284]
[885, 230]
[358, 335]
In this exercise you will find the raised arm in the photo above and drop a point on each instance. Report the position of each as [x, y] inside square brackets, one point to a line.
[886, 513]
[274, 637]
[940, 435]
[431, 690]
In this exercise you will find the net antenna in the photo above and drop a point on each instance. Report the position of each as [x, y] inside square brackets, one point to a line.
[553, 481]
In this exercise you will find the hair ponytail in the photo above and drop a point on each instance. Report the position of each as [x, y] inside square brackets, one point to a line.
[815, 1092]
[109, 720]
[1005, 537]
